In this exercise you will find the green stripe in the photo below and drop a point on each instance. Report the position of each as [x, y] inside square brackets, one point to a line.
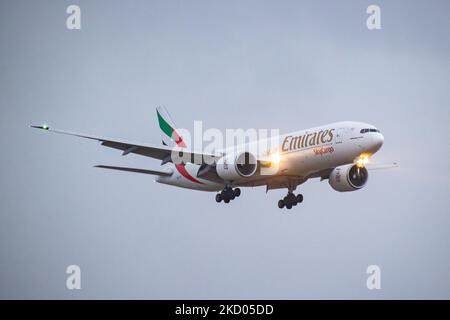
[165, 127]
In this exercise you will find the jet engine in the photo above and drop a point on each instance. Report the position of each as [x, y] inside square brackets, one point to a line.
[348, 178]
[239, 166]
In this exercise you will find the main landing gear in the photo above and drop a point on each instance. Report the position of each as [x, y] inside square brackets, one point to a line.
[290, 200]
[228, 194]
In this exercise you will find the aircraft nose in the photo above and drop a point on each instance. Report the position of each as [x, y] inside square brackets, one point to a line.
[377, 141]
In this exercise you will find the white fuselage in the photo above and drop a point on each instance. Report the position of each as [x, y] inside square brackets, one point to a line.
[302, 153]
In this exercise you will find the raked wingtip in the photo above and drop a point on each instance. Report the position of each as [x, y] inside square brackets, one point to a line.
[42, 127]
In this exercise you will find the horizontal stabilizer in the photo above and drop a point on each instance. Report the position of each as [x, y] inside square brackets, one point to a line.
[154, 172]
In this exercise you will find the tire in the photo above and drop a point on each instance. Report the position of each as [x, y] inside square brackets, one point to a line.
[237, 192]
[226, 200]
[232, 197]
[281, 204]
[289, 206]
[218, 197]
[299, 198]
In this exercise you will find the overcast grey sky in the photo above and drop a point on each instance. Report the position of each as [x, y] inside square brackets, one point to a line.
[233, 64]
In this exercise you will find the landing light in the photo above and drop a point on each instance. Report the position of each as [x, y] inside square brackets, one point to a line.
[362, 160]
[275, 158]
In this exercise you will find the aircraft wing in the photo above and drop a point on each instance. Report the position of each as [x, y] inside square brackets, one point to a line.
[146, 171]
[162, 153]
[378, 166]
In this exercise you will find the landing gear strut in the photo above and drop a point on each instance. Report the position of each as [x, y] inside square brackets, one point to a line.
[290, 200]
[228, 194]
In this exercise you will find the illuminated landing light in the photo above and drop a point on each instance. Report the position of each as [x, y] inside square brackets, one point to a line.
[272, 160]
[362, 160]
[275, 158]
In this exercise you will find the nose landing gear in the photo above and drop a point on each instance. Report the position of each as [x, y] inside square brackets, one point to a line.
[228, 194]
[290, 200]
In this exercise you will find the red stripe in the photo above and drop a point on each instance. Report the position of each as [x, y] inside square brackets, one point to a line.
[178, 139]
[181, 169]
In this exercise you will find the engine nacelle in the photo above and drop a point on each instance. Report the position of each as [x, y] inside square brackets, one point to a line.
[236, 167]
[348, 178]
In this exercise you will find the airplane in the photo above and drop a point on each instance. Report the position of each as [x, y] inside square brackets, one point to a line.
[338, 152]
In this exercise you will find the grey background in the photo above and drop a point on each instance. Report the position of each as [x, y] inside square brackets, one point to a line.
[249, 64]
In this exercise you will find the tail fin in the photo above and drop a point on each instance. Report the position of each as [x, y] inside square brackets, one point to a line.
[169, 134]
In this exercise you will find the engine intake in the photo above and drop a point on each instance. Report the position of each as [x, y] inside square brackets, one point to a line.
[236, 167]
[348, 178]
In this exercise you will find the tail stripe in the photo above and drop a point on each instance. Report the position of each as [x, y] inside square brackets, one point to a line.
[170, 132]
[167, 129]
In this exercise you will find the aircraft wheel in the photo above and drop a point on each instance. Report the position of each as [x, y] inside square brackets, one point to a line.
[226, 200]
[237, 192]
[280, 204]
[289, 206]
[218, 197]
[299, 198]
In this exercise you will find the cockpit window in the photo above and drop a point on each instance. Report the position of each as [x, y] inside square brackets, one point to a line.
[369, 130]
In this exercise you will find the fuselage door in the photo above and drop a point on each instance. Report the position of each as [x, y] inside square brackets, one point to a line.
[339, 135]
